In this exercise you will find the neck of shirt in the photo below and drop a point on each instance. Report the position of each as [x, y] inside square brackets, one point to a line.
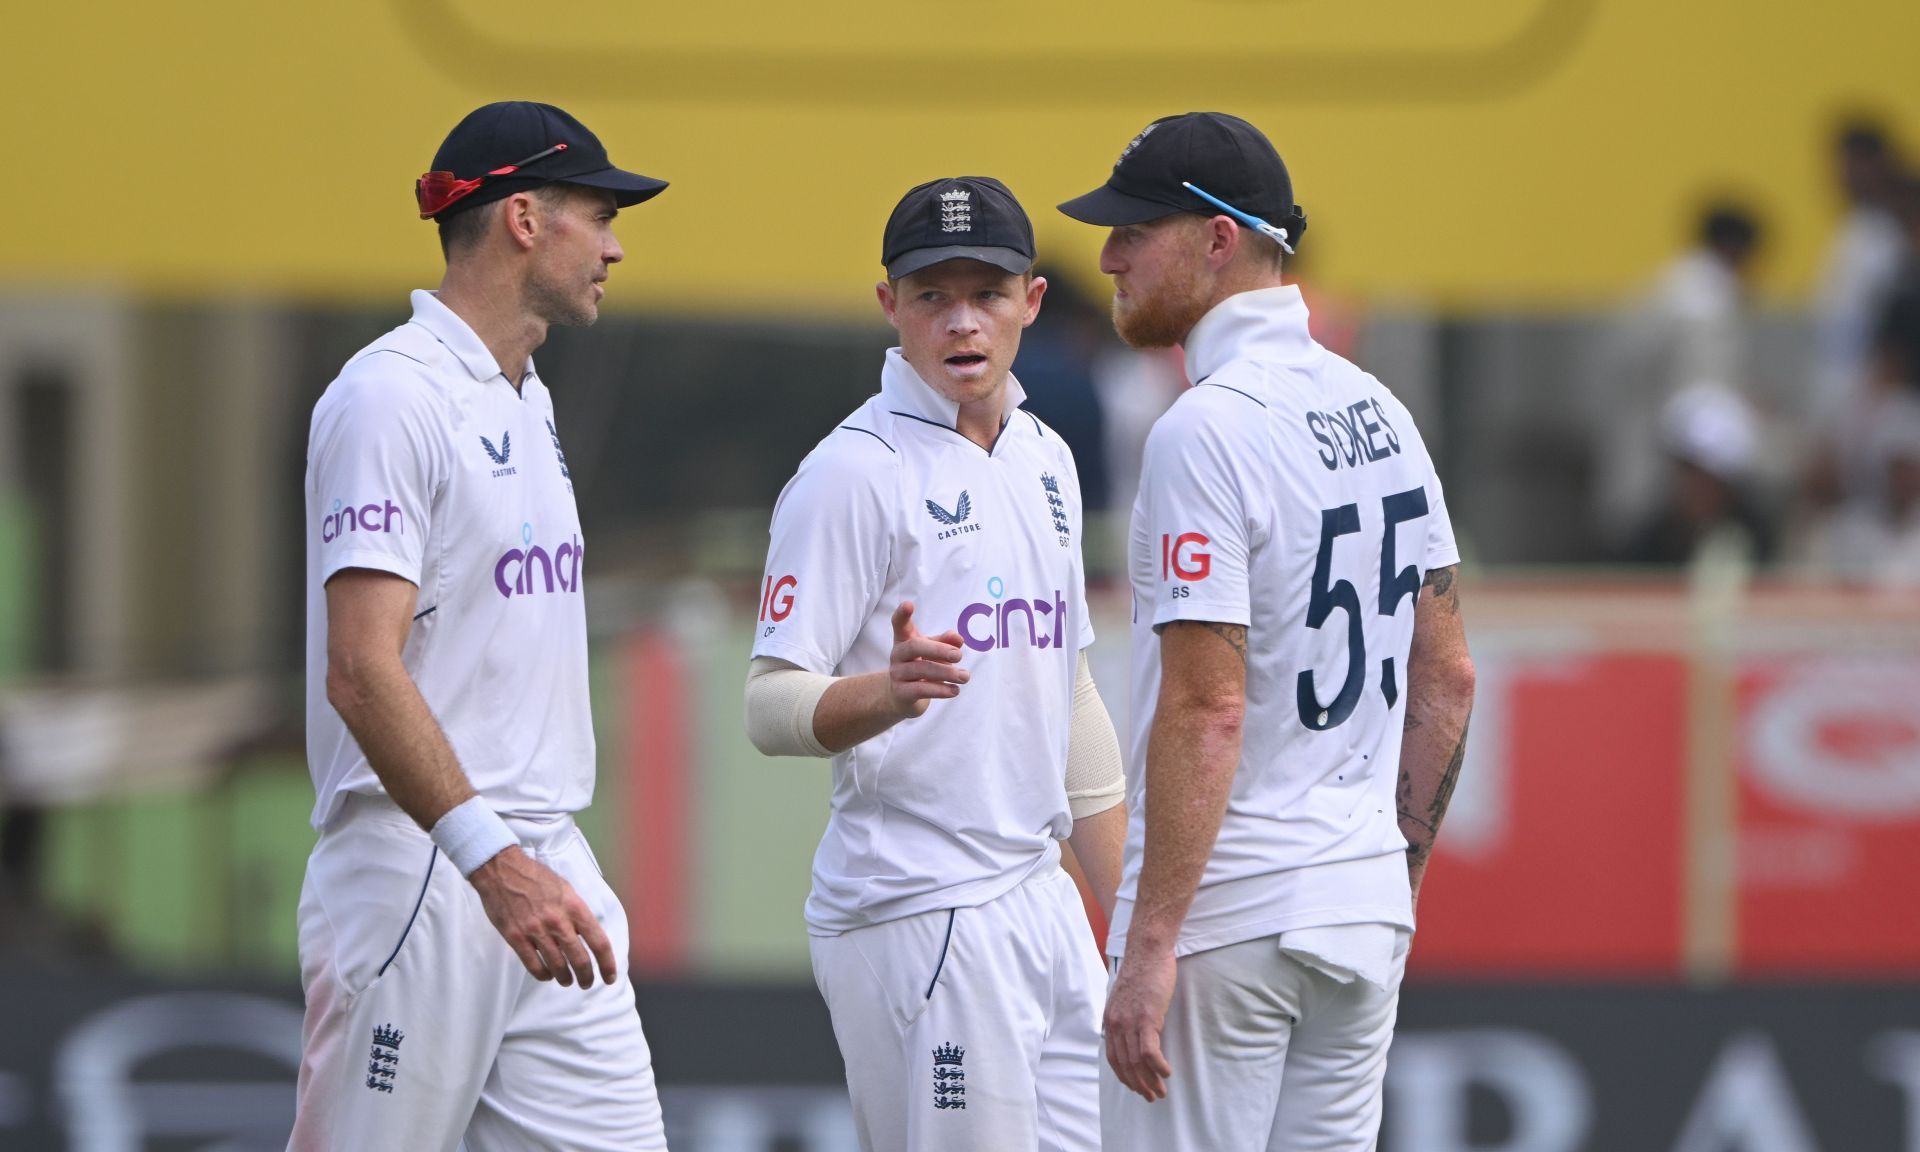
[452, 330]
[907, 394]
[1267, 324]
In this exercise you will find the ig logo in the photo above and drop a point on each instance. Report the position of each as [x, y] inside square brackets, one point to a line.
[1181, 556]
[776, 602]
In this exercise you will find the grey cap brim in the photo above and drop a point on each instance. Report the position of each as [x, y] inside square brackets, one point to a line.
[914, 259]
[1110, 208]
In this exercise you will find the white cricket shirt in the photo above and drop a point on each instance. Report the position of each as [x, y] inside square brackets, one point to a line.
[956, 807]
[423, 461]
[1290, 492]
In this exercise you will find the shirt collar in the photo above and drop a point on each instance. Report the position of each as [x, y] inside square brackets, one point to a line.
[1267, 324]
[446, 326]
[907, 394]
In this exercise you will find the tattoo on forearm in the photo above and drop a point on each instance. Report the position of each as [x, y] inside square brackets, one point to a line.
[1403, 797]
[1429, 817]
[1443, 795]
[1440, 581]
[1234, 634]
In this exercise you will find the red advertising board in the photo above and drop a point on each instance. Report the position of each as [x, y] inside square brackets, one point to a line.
[1566, 853]
[1829, 816]
[1562, 853]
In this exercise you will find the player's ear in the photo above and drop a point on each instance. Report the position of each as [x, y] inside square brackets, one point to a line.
[1223, 240]
[883, 291]
[522, 216]
[1036, 288]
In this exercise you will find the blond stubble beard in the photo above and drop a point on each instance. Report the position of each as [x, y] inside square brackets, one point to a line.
[1164, 320]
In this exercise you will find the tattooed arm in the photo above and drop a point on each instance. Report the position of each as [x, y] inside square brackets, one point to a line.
[1439, 700]
[1193, 749]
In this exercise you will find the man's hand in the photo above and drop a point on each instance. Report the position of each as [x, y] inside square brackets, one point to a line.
[1136, 1015]
[543, 919]
[921, 669]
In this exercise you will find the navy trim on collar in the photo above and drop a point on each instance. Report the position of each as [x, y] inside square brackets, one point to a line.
[963, 436]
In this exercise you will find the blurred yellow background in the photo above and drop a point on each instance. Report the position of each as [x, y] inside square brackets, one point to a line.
[1442, 151]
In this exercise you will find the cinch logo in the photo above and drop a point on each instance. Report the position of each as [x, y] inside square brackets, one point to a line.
[346, 518]
[535, 569]
[1182, 556]
[776, 603]
[1000, 618]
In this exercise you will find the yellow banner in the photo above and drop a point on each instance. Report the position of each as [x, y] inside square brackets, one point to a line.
[1485, 152]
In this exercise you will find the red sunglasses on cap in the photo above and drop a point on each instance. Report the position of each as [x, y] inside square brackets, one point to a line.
[438, 191]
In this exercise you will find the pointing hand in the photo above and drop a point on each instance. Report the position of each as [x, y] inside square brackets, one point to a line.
[922, 668]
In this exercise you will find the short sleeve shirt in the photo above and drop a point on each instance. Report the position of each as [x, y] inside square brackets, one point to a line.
[1289, 492]
[424, 461]
[955, 807]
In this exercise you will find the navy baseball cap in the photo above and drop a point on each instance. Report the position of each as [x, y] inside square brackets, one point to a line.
[1222, 154]
[514, 145]
[958, 218]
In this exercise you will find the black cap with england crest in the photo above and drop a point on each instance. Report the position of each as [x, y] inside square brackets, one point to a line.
[958, 218]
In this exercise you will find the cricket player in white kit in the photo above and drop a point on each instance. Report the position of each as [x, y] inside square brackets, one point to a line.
[451, 905]
[1294, 614]
[950, 945]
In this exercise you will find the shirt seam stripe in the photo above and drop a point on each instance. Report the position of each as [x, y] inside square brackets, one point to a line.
[1231, 388]
[402, 355]
[875, 435]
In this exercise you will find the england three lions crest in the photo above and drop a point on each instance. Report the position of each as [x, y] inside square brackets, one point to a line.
[1057, 507]
[956, 211]
[949, 1079]
[383, 1060]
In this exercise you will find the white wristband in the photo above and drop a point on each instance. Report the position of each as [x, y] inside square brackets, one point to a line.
[472, 834]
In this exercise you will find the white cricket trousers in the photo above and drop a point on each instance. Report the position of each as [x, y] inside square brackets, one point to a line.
[972, 1029]
[1268, 1055]
[423, 1028]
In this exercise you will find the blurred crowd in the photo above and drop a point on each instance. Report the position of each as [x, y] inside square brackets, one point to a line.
[1863, 485]
[1824, 482]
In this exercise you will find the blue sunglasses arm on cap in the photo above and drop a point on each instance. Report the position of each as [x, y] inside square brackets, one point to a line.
[1278, 235]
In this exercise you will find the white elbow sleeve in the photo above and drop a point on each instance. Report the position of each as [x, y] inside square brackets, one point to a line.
[780, 703]
[1095, 781]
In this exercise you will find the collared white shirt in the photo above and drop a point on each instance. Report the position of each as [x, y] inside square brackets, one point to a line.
[424, 461]
[1285, 491]
[957, 806]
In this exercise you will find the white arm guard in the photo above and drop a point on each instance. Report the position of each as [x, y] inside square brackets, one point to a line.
[780, 703]
[1095, 781]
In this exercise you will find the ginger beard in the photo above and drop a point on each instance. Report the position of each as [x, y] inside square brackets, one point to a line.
[1161, 315]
